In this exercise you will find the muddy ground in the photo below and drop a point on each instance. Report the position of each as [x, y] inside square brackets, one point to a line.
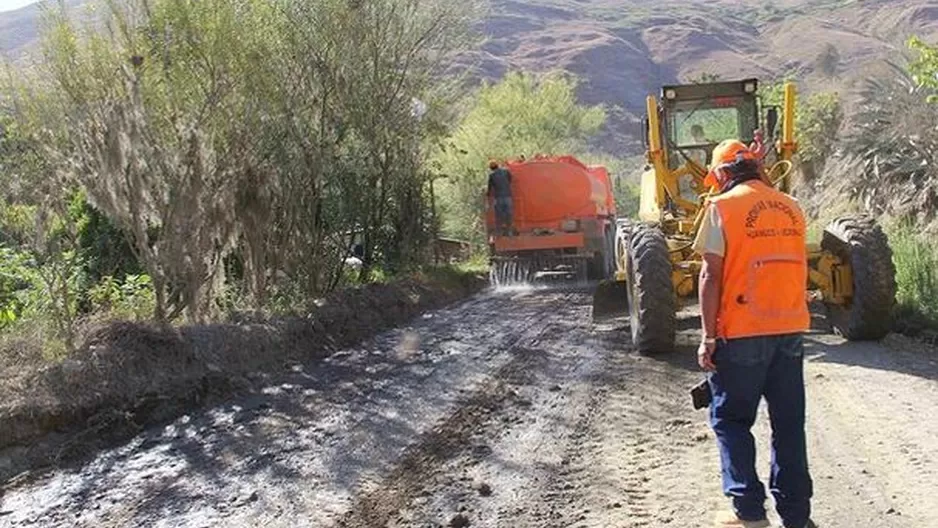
[512, 409]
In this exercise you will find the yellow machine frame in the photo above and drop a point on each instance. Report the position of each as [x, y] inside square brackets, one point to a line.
[830, 278]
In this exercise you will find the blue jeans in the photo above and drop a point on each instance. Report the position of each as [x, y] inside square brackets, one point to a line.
[503, 213]
[747, 370]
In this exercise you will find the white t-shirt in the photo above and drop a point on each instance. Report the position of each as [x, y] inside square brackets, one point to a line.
[710, 238]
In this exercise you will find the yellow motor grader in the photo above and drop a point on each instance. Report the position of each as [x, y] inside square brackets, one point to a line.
[850, 271]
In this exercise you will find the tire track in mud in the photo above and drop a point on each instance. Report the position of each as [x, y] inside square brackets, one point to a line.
[528, 458]
[635, 454]
[517, 451]
[561, 501]
[650, 455]
[422, 462]
[566, 491]
[604, 437]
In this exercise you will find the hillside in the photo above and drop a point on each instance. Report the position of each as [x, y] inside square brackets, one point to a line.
[623, 49]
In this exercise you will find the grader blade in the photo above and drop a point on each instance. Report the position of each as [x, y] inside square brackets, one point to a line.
[610, 300]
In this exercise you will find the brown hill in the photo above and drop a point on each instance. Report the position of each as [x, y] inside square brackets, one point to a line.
[624, 49]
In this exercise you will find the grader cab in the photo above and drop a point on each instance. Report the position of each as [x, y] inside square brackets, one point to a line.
[850, 270]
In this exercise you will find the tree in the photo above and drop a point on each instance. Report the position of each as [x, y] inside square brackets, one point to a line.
[265, 135]
[818, 117]
[523, 114]
[924, 68]
[705, 78]
[35, 188]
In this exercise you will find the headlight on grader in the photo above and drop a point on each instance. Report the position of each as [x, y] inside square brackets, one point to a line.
[570, 226]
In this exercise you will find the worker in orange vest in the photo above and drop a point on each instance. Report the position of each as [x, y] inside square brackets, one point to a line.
[754, 313]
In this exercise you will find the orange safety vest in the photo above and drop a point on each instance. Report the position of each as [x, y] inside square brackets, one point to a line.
[765, 267]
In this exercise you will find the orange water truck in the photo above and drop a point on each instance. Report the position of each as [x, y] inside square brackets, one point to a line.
[563, 221]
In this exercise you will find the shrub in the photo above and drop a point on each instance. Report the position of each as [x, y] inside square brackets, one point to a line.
[917, 276]
[131, 298]
[818, 117]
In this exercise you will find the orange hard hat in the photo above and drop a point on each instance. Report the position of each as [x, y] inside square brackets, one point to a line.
[727, 152]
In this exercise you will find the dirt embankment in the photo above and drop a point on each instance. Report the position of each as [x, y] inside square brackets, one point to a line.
[129, 376]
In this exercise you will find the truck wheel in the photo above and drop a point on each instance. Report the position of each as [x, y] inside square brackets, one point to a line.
[595, 267]
[602, 265]
[610, 252]
[859, 240]
[652, 303]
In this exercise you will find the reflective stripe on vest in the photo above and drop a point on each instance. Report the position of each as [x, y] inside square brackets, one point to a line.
[765, 268]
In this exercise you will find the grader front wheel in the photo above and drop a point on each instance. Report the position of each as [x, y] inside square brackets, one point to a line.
[652, 302]
[859, 241]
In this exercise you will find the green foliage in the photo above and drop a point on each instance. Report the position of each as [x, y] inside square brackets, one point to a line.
[15, 281]
[818, 117]
[924, 68]
[17, 224]
[105, 250]
[627, 196]
[916, 274]
[704, 78]
[266, 133]
[524, 115]
[477, 263]
[131, 298]
[43, 291]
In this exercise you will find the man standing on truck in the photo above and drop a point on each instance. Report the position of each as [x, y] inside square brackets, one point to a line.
[754, 313]
[500, 191]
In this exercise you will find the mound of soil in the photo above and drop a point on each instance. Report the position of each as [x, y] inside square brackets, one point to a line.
[129, 376]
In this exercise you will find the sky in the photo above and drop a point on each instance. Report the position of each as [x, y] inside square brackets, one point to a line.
[9, 5]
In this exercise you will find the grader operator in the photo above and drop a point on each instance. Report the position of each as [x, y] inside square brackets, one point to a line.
[850, 271]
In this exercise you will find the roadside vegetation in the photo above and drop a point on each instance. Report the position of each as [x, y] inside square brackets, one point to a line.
[917, 279]
[195, 160]
[886, 164]
[904, 156]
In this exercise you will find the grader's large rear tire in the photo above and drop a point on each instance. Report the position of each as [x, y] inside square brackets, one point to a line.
[859, 240]
[652, 302]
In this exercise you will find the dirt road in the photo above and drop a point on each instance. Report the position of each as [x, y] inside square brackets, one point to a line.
[512, 409]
